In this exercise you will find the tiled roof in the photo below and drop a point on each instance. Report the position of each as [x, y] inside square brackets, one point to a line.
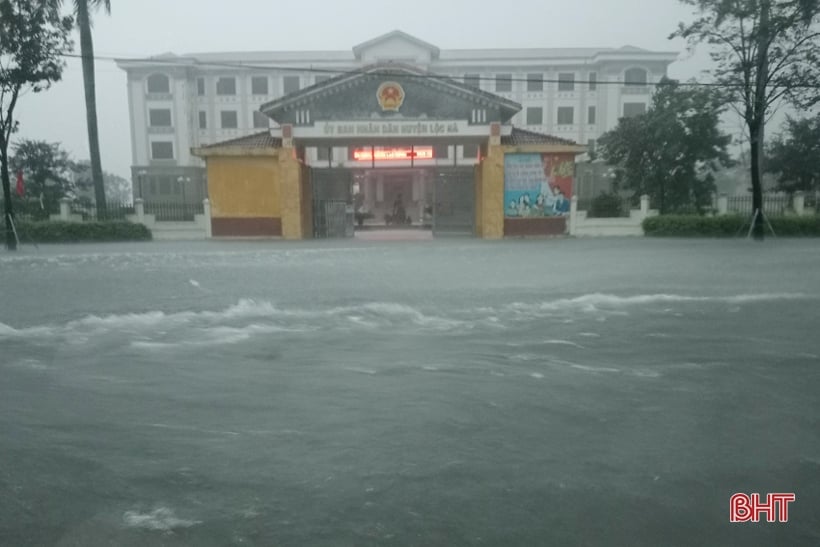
[257, 140]
[522, 136]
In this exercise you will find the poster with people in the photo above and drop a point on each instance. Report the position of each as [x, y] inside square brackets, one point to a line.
[537, 185]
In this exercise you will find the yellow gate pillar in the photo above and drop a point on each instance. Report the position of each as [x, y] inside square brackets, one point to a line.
[292, 195]
[490, 195]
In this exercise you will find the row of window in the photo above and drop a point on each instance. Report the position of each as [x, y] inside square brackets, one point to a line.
[566, 80]
[566, 114]
[229, 119]
[260, 85]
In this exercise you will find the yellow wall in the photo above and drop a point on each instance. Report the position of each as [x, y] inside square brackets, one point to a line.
[244, 187]
[491, 195]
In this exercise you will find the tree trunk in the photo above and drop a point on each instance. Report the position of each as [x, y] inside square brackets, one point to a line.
[758, 122]
[87, 51]
[11, 241]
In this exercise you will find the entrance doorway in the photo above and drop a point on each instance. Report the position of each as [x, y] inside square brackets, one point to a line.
[440, 201]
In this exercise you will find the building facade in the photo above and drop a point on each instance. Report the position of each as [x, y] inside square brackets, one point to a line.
[177, 103]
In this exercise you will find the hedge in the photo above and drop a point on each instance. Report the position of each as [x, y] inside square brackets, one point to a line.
[54, 231]
[727, 226]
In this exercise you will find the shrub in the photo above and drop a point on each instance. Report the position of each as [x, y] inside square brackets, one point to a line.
[727, 226]
[70, 232]
[606, 206]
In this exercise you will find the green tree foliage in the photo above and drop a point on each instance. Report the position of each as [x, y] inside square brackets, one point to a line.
[33, 37]
[671, 151]
[794, 156]
[48, 173]
[764, 51]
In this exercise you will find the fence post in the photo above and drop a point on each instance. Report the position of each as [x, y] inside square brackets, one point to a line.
[206, 209]
[644, 206]
[65, 209]
[723, 204]
[139, 210]
[573, 215]
[800, 203]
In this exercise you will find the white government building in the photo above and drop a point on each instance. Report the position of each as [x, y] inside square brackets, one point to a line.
[177, 102]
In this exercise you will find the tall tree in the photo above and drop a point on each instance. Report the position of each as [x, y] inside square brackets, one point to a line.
[48, 172]
[794, 156]
[765, 51]
[83, 9]
[33, 38]
[671, 151]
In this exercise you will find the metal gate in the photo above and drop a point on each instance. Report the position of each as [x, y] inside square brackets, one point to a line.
[332, 203]
[454, 201]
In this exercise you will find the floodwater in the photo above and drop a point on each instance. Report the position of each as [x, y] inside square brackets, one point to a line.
[449, 392]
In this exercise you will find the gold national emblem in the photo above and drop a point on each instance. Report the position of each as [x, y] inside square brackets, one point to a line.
[391, 96]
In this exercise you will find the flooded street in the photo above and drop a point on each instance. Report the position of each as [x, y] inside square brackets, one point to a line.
[447, 392]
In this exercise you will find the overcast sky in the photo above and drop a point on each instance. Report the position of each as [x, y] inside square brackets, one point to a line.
[141, 28]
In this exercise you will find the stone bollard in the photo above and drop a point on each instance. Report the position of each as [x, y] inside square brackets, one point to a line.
[723, 204]
[65, 209]
[800, 203]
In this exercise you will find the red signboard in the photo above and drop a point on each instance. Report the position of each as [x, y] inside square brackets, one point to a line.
[382, 153]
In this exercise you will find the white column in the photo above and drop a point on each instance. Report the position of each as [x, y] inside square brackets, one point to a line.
[65, 209]
[139, 209]
[206, 208]
[644, 206]
[722, 204]
[573, 216]
[800, 203]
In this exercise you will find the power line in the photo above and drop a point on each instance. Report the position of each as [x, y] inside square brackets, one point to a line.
[187, 62]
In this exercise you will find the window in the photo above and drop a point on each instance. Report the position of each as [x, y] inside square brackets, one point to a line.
[591, 112]
[259, 85]
[152, 185]
[566, 81]
[321, 78]
[203, 119]
[158, 83]
[164, 186]
[162, 150]
[503, 82]
[323, 153]
[593, 81]
[635, 77]
[291, 84]
[200, 87]
[441, 151]
[226, 86]
[535, 115]
[470, 151]
[160, 117]
[473, 80]
[566, 115]
[229, 119]
[535, 82]
[177, 186]
[634, 109]
[260, 121]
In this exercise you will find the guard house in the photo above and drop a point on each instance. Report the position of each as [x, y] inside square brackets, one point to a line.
[400, 127]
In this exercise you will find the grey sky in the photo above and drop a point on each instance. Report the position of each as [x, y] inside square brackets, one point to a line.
[149, 27]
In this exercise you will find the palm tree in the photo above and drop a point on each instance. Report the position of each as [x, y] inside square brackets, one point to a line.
[82, 9]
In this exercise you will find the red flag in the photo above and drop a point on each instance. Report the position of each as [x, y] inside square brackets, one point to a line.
[21, 189]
